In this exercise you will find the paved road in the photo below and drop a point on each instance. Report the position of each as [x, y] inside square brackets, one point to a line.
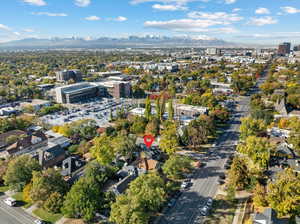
[205, 181]
[13, 215]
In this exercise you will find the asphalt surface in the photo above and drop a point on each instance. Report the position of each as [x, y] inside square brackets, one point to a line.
[13, 215]
[205, 180]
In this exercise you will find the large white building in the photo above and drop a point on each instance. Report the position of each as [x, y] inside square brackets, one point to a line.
[76, 92]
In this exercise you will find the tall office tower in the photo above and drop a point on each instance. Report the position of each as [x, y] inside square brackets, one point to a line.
[284, 48]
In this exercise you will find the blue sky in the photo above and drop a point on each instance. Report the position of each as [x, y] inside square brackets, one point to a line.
[252, 21]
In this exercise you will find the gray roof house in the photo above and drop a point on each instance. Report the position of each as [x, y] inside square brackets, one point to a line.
[269, 216]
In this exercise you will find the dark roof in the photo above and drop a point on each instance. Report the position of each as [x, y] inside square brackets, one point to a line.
[4, 136]
[28, 141]
[122, 185]
[285, 149]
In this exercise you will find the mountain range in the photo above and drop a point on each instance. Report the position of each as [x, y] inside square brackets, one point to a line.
[108, 42]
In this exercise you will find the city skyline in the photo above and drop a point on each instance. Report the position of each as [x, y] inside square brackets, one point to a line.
[240, 21]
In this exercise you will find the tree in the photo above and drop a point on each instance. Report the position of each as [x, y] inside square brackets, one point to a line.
[124, 145]
[152, 127]
[19, 172]
[257, 149]
[148, 108]
[26, 193]
[284, 193]
[3, 168]
[157, 108]
[176, 166]
[170, 110]
[139, 125]
[259, 196]
[145, 196]
[54, 203]
[238, 174]
[45, 183]
[83, 200]
[198, 130]
[169, 140]
[252, 127]
[103, 149]
[86, 196]
[294, 138]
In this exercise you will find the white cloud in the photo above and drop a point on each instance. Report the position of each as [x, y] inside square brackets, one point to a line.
[262, 11]
[176, 2]
[17, 33]
[82, 3]
[220, 16]
[92, 18]
[274, 35]
[49, 14]
[189, 25]
[4, 27]
[35, 2]
[261, 21]
[121, 19]
[169, 7]
[290, 10]
[230, 1]
[236, 9]
[28, 30]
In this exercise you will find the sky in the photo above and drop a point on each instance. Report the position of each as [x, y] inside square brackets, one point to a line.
[242, 21]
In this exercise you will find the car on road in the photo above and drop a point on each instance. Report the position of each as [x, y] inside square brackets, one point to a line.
[10, 201]
[184, 184]
[204, 211]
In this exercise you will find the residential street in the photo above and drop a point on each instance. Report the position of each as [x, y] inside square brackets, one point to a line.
[205, 180]
[13, 215]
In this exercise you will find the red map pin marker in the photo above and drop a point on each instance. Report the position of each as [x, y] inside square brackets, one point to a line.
[148, 140]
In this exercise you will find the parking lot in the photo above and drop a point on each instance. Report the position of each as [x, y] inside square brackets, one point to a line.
[95, 109]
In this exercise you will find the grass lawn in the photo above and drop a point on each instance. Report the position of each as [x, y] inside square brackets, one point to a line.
[222, 212]
[46, 216]
[3, 189]
[19, 197]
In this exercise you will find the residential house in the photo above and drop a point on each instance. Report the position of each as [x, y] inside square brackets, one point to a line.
[27, 144]
[268, 216]
[144, 165]
[51, 155]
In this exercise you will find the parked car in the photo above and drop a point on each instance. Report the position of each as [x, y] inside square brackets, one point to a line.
[222, 176]
[10, 201]
[209, 202]
[204, 211]
[172, 202]
[38, 221]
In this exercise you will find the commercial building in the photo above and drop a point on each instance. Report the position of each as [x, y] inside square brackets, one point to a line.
[76, 92]
[66, 75]
[284, 48]
[36, 104]
[297, 48]
[189, 110]
[110, 73]
[116, 89]
[84, 90]
[213, 51]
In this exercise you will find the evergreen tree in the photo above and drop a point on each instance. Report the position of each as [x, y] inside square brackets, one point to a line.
[171, 110]
[147, 108]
